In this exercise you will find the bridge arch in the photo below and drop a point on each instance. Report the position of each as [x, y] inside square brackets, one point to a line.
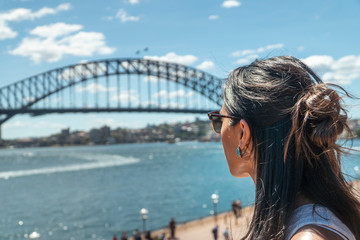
[21, 97]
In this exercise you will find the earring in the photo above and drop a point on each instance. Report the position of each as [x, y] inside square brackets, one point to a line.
[239, 152]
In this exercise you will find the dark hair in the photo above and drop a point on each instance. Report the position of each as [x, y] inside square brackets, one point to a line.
[295, 120]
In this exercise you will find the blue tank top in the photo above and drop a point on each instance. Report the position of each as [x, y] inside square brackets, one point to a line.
[321, 217]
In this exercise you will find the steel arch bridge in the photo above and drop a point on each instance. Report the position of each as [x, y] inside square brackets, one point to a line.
[113, 85]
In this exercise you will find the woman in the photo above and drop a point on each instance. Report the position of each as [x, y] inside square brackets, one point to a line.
[279, 124]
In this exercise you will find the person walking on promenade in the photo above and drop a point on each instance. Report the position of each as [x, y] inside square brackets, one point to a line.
[124, 236]
[234, 208]
[226, 234]
[238, 208]
[172, 227]
[148, 235]
[162, 236]
[137, 234]
[235, 211]
[279, 124]
[114, 237]
[215, 232]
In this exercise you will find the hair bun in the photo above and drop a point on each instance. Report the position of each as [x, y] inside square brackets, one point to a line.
[318, 119]
[324, 118]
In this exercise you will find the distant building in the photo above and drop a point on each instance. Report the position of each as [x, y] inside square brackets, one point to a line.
[79, 137]
[65, 132]
[25, 142]
[95, 135]
[150, 126]
[105, 132]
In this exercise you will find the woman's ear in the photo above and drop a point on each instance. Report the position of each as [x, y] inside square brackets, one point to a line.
[244, 134]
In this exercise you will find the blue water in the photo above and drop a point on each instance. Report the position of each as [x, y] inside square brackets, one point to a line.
[93, 192]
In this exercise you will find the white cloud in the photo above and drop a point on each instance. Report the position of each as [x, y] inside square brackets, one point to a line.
[125, 17]
[6, 32]
[231, 3]
[28, 99]
[259, 50]
[247, 59]
[108, 18]
[342, 71]
[125, 97]
[301, 48]
[271, 47]
[94, 88]
[153, 79]
[22, 14]
[69, 73]
[133, 2]
[242, 53]
[110, 122]
[320, 64]
[173, 94]
[206, 65]
[39, 124]
[172, 105]
[251, 54]
[55, 30]
[162, 93]
[64, 7]
[150, 104]
[213, 17]
[94, 122]
[47, 46]
[173, 57]
[86, 44]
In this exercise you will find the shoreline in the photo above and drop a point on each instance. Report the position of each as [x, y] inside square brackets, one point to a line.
[201, 228]
[95, 145]
[120, 143]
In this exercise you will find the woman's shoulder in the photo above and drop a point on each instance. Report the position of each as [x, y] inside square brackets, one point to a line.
[316, 222]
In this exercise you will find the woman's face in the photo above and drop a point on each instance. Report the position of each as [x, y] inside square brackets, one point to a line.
[232, 137]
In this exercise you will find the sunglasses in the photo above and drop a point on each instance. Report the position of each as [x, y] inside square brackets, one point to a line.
[216, 121]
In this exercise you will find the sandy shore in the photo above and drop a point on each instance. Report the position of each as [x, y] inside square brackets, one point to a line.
[201, 229]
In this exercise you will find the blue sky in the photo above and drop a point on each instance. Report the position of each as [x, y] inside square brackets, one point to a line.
[215, 36]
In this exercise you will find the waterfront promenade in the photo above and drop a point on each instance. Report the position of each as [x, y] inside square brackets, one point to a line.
[201, 229]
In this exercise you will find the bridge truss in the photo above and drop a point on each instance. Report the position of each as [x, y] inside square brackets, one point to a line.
[113, 85]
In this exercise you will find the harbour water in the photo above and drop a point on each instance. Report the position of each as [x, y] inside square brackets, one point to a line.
[93, 192]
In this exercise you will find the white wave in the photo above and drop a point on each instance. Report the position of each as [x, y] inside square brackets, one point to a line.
[28, 154]
[69, 168]
[93, 157]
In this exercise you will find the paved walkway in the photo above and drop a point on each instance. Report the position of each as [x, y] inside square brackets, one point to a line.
[201, 229]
